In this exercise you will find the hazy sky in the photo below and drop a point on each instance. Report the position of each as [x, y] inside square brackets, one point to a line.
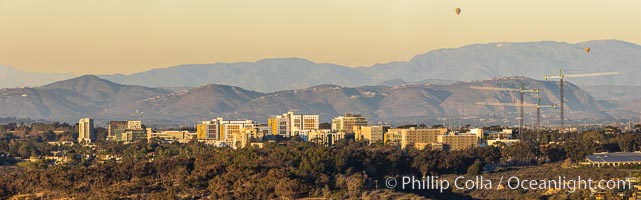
[126, 36]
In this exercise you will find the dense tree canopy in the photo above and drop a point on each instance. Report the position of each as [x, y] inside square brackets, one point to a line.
[289, 168]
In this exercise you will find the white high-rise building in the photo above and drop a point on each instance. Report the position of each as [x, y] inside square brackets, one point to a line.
[289, 124]
[85, 131]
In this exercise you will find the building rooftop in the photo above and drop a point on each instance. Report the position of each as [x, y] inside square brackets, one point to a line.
[615, 157]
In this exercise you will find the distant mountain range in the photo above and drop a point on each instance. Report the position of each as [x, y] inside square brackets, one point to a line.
[473, 62]
[431, 86]
[10, 78]
[615, 94]
[90, 96]
[631, 109]
[468, 63]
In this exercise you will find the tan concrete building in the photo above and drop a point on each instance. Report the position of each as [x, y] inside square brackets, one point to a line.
[325, 137]
[392, 137]
[86, 132]
[436, 146]
[454, 142]
[222, 130]
[179, 136]
[245, 137]
[370, 133]
[419, 137]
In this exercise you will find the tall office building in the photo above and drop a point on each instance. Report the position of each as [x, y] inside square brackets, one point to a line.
[86, 132]
[290, 124]
[222, 130]
[347, 122]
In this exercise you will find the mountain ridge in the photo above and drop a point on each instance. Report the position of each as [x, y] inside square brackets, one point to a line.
[69, 99]
[466, 63]
[11, 77]
[104, 100]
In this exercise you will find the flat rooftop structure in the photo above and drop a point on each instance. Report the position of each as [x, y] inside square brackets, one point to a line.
[614, 158]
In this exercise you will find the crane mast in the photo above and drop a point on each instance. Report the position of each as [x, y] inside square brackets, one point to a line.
[538, 107]
[521, 92]
[562, 77]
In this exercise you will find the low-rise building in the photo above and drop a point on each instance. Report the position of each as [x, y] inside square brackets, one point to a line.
[264, 129]
[132, 135]
[61, 143]
[614, 159]
[435, 146]
[179, 136]
[504, 134]
[413, 136]
[248, 136]
[126, 131]
[478, 132]
[325, 137]
[507, 142]
[454, 142]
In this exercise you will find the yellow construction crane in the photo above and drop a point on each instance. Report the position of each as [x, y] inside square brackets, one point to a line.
[538, 111]
[537, 105]
[522, 92]
[561, 78]
[505, 104]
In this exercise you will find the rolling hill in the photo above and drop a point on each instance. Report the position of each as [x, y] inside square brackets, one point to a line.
[70, 99]
[90, 96]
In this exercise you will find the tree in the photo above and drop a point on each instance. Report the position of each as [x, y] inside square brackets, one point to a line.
[566, 164]
[50, 136]
[325, 125]
[288, 188]
[475, 168]
[355, 184]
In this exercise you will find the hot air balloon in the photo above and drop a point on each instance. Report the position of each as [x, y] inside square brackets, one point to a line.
[587, 50]
[458, 11]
